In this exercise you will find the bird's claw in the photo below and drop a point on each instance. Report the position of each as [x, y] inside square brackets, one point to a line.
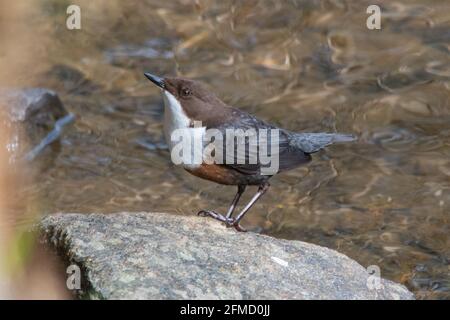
[212, 214]
[229, 222]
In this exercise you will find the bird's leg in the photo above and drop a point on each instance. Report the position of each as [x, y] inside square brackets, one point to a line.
[227, 219]
[241, 189]
[235, 222]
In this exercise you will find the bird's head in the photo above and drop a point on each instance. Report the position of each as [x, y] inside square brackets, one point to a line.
[192, 96]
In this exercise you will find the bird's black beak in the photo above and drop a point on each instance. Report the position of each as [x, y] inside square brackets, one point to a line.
[156, 80]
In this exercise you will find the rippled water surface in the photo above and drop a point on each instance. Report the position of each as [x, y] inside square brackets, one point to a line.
[304, 65]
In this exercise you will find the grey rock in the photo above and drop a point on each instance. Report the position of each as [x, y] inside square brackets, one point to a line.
[163, 256]
[31, 114]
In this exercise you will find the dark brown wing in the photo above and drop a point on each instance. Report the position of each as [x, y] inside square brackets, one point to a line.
[261, 138]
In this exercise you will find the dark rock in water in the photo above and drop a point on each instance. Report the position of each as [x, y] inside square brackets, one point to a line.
[41, 106]
[32, 114]
[163, 256]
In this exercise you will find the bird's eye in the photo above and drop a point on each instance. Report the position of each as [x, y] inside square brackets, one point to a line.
[186, 92]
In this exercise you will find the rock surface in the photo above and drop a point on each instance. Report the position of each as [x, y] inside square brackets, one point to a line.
[163, 256]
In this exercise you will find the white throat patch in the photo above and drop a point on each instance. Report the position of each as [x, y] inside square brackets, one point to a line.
[175, 118]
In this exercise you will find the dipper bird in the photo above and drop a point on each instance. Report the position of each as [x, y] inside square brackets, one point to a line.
[187, 102]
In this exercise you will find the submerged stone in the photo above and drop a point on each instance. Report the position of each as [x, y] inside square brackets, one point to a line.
[32, 115]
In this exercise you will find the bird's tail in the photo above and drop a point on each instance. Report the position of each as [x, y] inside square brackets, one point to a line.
[313, 142]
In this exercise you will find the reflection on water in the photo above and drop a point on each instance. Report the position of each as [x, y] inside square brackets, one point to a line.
[304, 65]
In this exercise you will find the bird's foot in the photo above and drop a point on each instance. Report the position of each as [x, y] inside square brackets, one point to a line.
[229, 222]
[215, 215]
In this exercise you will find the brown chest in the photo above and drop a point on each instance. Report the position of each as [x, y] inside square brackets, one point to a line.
[217, 173]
